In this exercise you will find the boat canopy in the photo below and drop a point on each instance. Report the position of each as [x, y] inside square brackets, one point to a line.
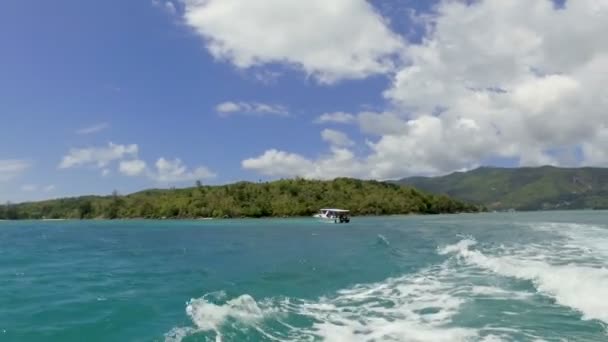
[336, 210]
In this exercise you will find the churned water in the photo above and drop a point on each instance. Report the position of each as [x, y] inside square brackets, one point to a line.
[488, 277]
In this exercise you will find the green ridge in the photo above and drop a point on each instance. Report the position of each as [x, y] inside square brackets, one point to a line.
[538, 188]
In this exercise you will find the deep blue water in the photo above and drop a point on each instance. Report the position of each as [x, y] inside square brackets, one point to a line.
[487, 277]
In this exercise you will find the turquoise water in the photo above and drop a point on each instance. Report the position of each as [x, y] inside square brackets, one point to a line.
[487, 277]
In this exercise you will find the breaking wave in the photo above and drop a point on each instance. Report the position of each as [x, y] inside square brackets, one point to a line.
[569, 271]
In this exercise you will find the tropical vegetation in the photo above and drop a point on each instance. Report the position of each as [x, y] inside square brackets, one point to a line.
[289, 197]
[528, 188]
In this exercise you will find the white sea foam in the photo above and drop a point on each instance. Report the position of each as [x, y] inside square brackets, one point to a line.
[208, 316]
[578, 287]
[588, 239]
[498, 293]
[414, 308]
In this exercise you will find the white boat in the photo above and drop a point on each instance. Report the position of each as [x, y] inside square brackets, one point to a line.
[336, 215]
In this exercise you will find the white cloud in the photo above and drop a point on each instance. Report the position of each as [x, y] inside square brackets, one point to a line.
[336, 138]
[266, 76]
[133, 167]
[595, 149]
[330, 40]
[11, 168]
[381, 123]
[278, 163]
[250, 108]
[174, 171]
[166, 5]
[97, 156]
[228, 107]
[34, 187]
[29, 187]
[495, 100]
[492, 79]
[93, 128]
[335, 117]
[341, 162]
[170, 7]
[164, 171]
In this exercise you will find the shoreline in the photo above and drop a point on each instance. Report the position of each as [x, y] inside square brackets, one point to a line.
[228, 218]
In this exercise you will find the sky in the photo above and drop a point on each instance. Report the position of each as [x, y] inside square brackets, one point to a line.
[97, 96]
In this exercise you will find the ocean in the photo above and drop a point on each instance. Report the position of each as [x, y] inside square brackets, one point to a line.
[537, 276]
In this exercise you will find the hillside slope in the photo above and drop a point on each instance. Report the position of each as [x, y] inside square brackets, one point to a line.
[523, 188]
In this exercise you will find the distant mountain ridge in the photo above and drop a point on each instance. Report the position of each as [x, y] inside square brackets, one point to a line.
[526, 188]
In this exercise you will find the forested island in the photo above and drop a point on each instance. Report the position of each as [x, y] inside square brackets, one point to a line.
[282, 198]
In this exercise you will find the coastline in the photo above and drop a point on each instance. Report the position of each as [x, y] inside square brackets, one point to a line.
[232, 218]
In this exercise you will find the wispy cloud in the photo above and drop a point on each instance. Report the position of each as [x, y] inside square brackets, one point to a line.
[34, 187]
[250, 108]
[93, 128]
[166, 5]
[29, 187]
[11, 168]
[335, 117]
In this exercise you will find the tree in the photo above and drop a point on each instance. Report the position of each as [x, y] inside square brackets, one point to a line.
[295, 197]
[85, 209]
[11, 212]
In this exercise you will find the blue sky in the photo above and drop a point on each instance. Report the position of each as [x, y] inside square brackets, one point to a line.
[235, 95]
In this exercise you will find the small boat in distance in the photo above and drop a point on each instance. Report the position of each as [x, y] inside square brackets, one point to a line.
[337, 215]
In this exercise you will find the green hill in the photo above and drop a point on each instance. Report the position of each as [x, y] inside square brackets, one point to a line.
[523, 188]
[295, 197]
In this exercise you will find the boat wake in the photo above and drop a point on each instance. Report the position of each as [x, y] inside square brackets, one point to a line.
[416, 308]
[427, 305]
[570, 271]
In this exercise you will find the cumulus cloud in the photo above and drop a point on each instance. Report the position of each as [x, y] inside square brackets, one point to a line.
[97, 156]
[93, 128]
[491, 79]
[336, 138]
[174, 171]
[496, 100]
[11, 168]
[335, 117]
[132, 167]
[278, 163]
[340, 162]
[250, 108]
[126, 156]
[330, 40]
[164, 171]
[595, 149]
